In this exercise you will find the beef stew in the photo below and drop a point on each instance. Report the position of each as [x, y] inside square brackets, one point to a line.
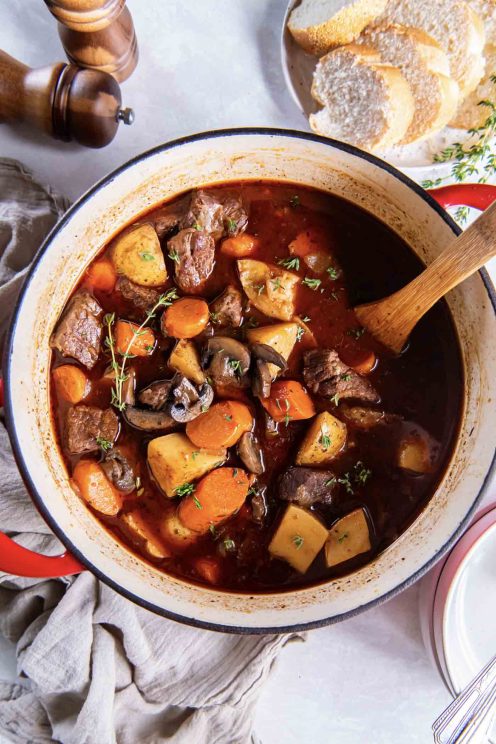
[219, 407]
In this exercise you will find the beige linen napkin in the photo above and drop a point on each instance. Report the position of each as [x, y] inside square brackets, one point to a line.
[93, 667]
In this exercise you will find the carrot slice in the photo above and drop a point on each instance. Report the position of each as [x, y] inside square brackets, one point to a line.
[365, 364]
[208, 568]
[185, 318]
[127, 340]
[221, 426]
[288, 401]
[71, 383]
[95, 488]
[101, 275]
[218, 496]
[240, 246]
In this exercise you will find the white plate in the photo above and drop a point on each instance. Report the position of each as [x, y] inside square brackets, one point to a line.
[415, 159]
[464, 614]
[469, 637]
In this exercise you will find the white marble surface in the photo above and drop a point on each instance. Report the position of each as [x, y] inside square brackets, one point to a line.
[209, 64]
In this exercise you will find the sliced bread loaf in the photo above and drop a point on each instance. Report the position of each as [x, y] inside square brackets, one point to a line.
[426, 68]
[471, 115]
[486, 10]
[366, 102]
[456, 28]
[320, 25]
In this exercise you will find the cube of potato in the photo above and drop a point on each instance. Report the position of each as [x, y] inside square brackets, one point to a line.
[299, 537]
[269, 288]
[281, 336]
[176, 534]
[417, 451]
[185, 359]
[325, 437]
[138, 527]
[348, 537]
[137, 255]
[174, 460]
[308, 336]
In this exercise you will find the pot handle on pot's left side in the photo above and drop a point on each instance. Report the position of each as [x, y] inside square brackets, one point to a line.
[14, 559]
[476, 195]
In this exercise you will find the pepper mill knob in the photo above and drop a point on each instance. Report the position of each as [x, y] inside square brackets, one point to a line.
[65, 101]
[97, 34]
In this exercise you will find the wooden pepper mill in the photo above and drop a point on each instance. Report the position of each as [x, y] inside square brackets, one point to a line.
[97, 34]
[65, 101]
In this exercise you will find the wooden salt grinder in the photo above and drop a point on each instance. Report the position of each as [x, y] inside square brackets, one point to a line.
[64, 101]
[97, 34]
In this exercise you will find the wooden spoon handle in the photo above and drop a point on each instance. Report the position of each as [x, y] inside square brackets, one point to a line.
[464, 255]
[391, 320]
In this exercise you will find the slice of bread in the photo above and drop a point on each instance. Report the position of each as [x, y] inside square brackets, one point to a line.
[454, 25]
[366, 102]
[470, 115]
[426, 68]
[486, 10]
[320, 25]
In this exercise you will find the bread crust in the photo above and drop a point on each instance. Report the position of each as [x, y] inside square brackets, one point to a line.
[342, 28]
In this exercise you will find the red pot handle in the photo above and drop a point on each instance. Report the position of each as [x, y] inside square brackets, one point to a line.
[15, 559]
[477, 195]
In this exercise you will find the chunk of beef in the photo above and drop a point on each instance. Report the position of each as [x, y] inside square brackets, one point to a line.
[196, 257]
[141, 297]
[79, 332]
[307, 486]
[85, 424]
[259, 508]
[118, 470]
[217, 218]
[205, 213]
[326, 374]
[227, 309]
[168, 218]
[156, 395]
[235, 217]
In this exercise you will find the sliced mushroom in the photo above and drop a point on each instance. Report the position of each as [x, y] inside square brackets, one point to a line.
[128, 386]
[156, 395]
[230, 347]
[267, 354]
[118, 470]
[250, 453]
[262, 379]
[189, 402]
[262, 376]
[227, 361]
[149, 420]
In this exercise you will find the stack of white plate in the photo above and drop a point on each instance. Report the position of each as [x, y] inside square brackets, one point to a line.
[458, 606]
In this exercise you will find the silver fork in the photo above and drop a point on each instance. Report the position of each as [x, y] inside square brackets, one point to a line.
[468, 717]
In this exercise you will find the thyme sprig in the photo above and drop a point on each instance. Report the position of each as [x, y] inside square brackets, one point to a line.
[164, 300]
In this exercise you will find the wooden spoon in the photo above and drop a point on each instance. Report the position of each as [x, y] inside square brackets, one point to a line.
[392, 319]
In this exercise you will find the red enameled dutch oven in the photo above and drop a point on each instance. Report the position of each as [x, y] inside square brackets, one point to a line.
[139, 185]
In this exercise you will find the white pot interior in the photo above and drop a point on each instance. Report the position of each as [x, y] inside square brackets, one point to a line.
[139, 187]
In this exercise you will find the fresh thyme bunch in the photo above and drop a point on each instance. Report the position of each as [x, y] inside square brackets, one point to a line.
[164, 300]
[476, 159]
